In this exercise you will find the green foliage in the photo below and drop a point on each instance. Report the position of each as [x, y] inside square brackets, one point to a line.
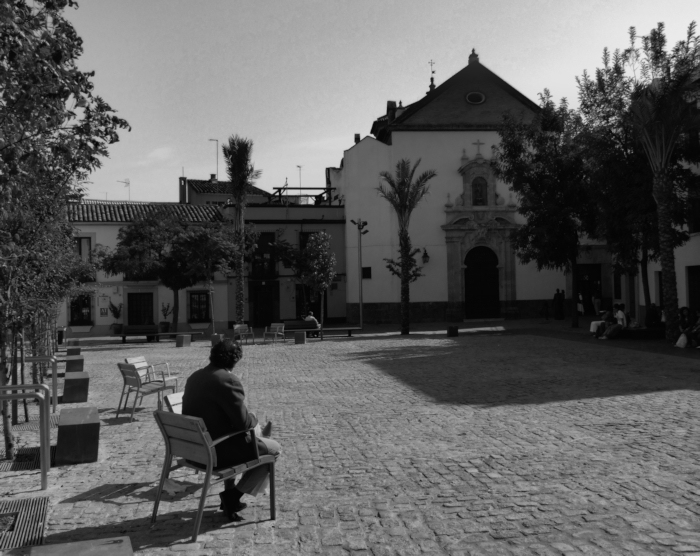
[404, 194]
[116, 310]
[545, 165]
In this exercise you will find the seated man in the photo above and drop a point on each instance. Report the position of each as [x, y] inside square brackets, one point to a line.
[310, 318]
[216, 395]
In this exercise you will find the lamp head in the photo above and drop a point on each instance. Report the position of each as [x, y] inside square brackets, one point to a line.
[425, 256]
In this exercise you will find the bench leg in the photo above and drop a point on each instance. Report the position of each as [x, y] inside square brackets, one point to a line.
[164, 475]
[120, 400]
[273, 511]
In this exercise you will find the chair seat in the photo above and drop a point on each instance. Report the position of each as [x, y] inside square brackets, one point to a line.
[152, 387]
[242, 468]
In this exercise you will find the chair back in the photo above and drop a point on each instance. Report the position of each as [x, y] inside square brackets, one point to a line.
[277, 327]
[130, 374]
[240, 328]
[139, 363]
[186, 437]
[174, 402]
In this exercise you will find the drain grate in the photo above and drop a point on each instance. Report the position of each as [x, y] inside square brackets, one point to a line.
[33, 423]
[26, 459]
[22, 522]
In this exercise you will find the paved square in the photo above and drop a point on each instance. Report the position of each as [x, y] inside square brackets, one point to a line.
[489, 444]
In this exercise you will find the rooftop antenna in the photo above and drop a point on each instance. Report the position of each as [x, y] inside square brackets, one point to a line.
[126, 183]
[299, 182]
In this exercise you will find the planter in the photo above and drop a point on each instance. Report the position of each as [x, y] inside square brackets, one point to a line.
[164, 327]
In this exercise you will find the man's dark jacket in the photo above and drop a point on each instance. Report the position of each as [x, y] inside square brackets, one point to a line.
[217, 396]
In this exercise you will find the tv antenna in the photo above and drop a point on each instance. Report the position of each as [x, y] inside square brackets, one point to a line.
[126, 183]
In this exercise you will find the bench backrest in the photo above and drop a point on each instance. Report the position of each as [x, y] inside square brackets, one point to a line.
[186, 437]
[174, 402]
[139, 364]
[131, 375]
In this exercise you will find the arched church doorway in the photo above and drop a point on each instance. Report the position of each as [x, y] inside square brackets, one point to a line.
[481, 298]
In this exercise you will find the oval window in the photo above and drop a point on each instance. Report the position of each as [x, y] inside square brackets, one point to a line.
[475, 98]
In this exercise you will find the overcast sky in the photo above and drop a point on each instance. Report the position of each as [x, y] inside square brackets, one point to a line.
[300, 78]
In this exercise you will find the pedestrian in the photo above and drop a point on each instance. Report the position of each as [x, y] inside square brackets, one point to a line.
[558, 305]
[216, 395]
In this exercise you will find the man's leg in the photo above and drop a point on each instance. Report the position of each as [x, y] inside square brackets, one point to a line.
[253, 482]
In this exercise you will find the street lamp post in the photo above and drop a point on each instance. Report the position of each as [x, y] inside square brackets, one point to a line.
[360, 232]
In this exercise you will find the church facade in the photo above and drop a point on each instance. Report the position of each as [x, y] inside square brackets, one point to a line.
[463, 226]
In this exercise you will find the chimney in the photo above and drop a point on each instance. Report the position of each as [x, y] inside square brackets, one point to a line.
[391, 110]
[213, 178]
[357, 138]
[183, 191]
[473, 58]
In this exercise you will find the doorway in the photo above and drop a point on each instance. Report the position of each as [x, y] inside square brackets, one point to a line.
[589, 284]
[139, 309]
[264, 302]
[481, 291]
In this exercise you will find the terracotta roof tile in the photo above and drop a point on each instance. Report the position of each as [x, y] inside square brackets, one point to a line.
[89, 210]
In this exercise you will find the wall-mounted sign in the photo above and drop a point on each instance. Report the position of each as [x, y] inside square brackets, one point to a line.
[103, 312]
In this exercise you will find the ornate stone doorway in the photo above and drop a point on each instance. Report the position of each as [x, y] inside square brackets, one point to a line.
[481, 287]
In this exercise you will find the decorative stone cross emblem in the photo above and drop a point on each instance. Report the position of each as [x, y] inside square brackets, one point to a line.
[478, 146]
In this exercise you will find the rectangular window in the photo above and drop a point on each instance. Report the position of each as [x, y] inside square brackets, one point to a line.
[81, 311]
[83, 247]
[199, 307]
[366, 272]
[693, 214]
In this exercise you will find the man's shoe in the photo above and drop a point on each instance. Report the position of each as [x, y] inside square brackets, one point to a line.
[231, 503]
[267, 430]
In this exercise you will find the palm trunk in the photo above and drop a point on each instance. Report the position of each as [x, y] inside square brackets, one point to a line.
[240, 283]
[574, 293]
[405, 248]
[176, 309]
[645, 277]
[662, 192]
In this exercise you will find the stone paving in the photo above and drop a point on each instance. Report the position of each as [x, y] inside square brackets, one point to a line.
[516, 443]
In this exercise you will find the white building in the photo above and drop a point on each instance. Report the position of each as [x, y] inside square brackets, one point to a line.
[464, 223]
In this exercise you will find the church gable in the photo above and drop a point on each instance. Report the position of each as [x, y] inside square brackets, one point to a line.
[474, 98]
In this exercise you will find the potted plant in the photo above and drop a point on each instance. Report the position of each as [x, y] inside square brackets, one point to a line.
[166, 311]
[116, 311]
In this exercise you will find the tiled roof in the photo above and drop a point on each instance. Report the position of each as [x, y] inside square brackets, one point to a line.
[220, 187]
[90, 210]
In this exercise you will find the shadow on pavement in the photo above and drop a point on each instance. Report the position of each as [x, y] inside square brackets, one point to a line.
[171, 528]
[517, 369]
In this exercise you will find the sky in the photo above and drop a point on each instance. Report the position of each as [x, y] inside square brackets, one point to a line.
[301, 77]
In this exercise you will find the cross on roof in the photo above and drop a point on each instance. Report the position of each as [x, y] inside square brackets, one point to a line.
[431, 66]
[478, 144]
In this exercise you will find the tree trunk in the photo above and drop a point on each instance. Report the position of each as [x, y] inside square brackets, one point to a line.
[5, 407]
[662, 194]
[176, 308]
[405, 248]
[21, 352]
[645, 277]
[13, 373]
[574, 293]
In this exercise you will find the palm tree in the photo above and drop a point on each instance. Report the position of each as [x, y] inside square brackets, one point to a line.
[664, 110]
[403, 195]
[242, 175]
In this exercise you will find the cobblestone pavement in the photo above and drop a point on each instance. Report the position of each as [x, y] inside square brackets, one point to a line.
[478, 445]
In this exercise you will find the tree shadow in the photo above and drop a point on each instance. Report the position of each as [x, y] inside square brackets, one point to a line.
[532, 370]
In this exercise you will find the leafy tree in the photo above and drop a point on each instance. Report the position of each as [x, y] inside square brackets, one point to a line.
[665, 92]
[620, 178]
[404, 194]
[155, 246]
[242, 175]
[53, 131]
[313, 266]
[544, 164]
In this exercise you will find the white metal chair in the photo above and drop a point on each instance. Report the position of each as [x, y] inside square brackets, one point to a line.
[241, 331]
[187, 437]
[275, 331]
[133, 382]
[149, 370]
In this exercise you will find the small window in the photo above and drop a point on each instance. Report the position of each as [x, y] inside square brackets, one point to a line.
[479, 188]
[475, 97]
[366, 272]
[82, 248]
[81, 311]
[199, 307]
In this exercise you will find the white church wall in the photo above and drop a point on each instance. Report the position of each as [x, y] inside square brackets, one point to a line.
[686, 255]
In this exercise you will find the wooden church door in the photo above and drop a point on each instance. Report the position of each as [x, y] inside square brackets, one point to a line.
[481, 297]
